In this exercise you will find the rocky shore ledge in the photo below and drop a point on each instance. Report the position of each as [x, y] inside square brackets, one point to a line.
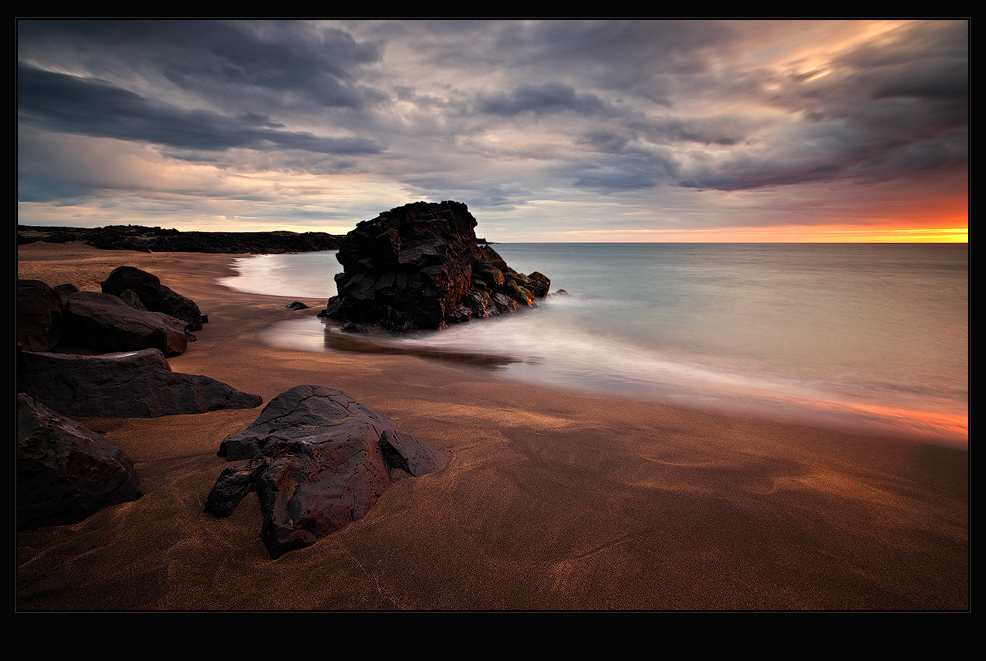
[420, 266]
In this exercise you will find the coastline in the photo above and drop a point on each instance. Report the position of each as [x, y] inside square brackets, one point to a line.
[552, 500]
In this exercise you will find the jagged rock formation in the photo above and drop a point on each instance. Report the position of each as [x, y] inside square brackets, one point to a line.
[318, 460]
[66, 472]
[138, 384]
[421, 266]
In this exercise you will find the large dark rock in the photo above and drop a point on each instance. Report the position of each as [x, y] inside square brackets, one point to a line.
[104, 322]
[39, 315]
[420, 266]
[138, 384]
[318, 460]
[154, 296]
[66, 472]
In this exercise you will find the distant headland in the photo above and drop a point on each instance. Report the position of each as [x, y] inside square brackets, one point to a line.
[156, 239]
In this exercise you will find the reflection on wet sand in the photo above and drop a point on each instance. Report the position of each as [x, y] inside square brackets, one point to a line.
[381, 342]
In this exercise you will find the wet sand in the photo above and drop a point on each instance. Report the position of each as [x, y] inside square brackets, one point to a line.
[553, 500]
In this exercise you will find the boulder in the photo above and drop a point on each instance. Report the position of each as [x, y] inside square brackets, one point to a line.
[104, 322]
[136, 384]
[318, 460]
[39, 316]
[66, 472]
[420, 266]
[153, 295]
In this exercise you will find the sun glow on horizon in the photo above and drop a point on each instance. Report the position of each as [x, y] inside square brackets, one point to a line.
[786, 234]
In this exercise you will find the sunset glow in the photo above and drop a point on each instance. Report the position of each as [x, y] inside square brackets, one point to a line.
[801, 131]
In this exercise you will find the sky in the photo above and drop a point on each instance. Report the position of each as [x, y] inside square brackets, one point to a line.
[556, 130]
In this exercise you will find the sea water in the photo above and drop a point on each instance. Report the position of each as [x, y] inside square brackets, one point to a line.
[835, 333]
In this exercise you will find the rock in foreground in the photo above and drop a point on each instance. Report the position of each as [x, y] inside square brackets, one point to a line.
[318, 460]
[66, 472]
[421, 266]
[135, 384]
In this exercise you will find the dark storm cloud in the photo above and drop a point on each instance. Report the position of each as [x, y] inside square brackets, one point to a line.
[614, 54]
[215, 58]
[544, 99]
[626, 171]
[883, 111]
[69, 104]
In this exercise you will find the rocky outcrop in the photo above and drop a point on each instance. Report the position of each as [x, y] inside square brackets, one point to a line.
[318, 461]
[421, 266]
[152, 295]
[66, 472]
[138, 384]
[104, 322]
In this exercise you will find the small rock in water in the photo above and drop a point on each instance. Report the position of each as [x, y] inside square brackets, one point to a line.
[350, 327]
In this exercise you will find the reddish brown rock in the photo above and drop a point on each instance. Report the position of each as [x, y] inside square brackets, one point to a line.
[318, 461]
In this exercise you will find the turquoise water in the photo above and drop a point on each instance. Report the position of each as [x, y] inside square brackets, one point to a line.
[842, 333]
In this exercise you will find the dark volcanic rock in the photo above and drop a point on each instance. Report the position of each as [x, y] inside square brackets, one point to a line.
[104, 322]
[138, 384]
[318, 461]
[131, 298]
[421, 266]
[154, 296]
[66, 472]
[39, 315]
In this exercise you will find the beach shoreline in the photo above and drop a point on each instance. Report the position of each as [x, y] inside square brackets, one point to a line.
[553, 500]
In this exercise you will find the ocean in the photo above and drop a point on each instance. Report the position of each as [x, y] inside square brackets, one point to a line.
[841, 334]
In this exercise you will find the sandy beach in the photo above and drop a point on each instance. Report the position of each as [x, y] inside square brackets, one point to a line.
[553, 500]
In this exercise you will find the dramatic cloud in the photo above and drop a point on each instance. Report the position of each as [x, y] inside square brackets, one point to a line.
[67, 104]
[549, 130]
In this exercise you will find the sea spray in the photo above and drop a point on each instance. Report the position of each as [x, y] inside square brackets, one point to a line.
[858, 332]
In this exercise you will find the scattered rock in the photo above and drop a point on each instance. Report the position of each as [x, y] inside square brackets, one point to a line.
[66, 472]
[105, 323]
[420, 266]
[318, 460]
[39, 315]
[296, 305]
[154, 296]
[137, 384]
